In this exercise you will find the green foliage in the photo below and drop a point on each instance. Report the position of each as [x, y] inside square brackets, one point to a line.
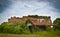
[5, 28]
[36, 16]
[28, 21]
[57, 24]
[19, 28]
[36, 34]
[57, 21]
[24, 27]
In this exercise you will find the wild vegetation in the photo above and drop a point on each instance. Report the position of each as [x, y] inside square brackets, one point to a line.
[19, 28]
[36, 16]
[56, 24]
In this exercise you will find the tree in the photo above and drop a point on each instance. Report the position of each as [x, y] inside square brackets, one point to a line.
[3, 26]
[57, 24]
[6, 28]
[19, 28]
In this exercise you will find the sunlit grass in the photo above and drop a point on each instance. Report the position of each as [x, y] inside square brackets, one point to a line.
[35, 34]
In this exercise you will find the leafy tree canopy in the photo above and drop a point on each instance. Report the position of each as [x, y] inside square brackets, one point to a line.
[57, 24]
[57, 21]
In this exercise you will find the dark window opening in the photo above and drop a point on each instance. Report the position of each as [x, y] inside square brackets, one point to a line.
[41, 27]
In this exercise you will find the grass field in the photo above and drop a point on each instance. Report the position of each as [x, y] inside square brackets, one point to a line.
[37, 34]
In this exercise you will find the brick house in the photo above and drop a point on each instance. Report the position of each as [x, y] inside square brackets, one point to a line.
[38, 21]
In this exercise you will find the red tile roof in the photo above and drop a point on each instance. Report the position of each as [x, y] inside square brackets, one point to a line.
[35, 21]
[43, 22]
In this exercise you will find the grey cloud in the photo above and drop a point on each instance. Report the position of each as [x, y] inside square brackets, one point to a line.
[27, 7]
[53, 3]
[4, 4]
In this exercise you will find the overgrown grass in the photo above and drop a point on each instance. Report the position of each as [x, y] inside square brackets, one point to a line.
[34, 34]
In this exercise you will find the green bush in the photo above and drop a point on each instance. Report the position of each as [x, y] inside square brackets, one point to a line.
[18, 29]
[56, 24]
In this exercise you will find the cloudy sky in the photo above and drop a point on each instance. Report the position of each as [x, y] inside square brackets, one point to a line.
[19, 8]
